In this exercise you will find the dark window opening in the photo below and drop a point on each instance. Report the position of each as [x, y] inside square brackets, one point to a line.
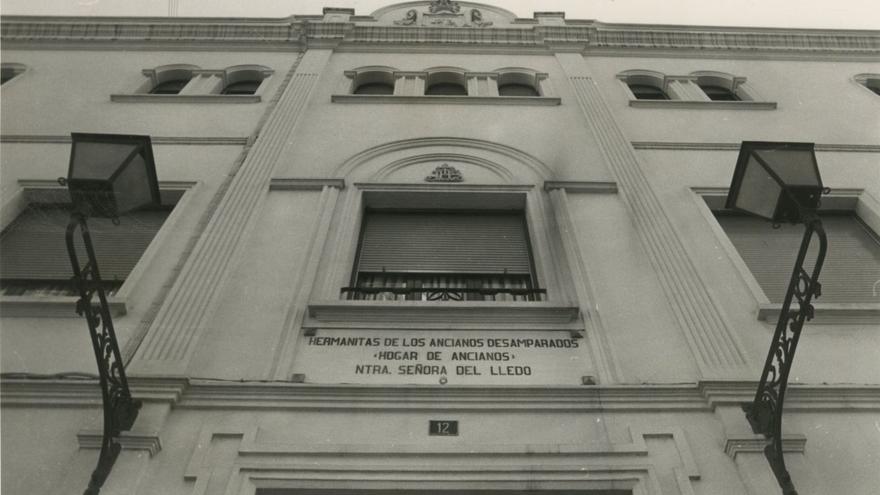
[33, 251]
[647, 92]
[719, 93]
[241, 88]
[443, 256]
[513, 89]
[375, 88]
[852, 263]
[446, 89]
[170, 87]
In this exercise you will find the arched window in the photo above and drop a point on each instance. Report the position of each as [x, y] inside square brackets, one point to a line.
[720, 86]
[645, 85]
[517, 82]
[243, 80]
[374, 80]
[446, 83]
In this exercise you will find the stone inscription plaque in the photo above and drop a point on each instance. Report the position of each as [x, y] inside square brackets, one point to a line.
[443, 357]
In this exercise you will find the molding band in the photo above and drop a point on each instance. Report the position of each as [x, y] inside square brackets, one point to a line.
[296, 184]
[581, 186]
[159, 140]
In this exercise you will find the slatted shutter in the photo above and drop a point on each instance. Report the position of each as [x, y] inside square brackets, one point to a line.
[33, 247]
[852, 264]
[440, 242]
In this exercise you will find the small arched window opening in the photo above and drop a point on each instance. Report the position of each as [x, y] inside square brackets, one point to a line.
[170, 79]
[446, 83]
[373, 81]
[515, 81]
[243, 80]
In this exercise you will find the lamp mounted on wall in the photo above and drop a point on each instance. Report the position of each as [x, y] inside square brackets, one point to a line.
[109, 175]
[780, 182]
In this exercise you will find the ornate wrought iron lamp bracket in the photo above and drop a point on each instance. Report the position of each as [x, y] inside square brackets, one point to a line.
[120, 410]
[765, 412]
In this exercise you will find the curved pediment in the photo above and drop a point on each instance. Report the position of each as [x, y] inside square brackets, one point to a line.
[443, 13]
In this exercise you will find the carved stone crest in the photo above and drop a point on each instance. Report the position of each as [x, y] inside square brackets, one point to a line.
[438, 6]
[443, 13]
[445, 173]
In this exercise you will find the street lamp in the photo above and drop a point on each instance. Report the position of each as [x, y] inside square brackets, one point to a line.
[109, 175]
[780, 182]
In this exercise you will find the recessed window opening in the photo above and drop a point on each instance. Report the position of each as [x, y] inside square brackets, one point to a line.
[9, 72]
[647, 92]
[33, 251]
[852, 263]
[446, 89]
[170, 87]
[241, 88]
[516, 89]
[443, 255]
[719, 93]
[375, 88]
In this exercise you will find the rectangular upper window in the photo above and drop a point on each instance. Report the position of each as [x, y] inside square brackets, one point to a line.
[433, 255]
[33, 251]
[850, 274]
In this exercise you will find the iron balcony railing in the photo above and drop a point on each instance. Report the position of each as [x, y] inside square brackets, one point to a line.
[442, 287]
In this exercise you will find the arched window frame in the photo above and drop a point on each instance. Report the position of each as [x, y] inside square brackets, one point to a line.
[646, 78]
[869, 82]
[735, 85]
[446, 75]
[374, 74]
[166, 73]
[243, 73]
[521, 76]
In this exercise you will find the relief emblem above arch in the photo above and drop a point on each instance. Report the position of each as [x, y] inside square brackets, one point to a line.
[443, 13]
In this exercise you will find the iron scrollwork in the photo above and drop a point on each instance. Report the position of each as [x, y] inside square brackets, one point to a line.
[765, 412]
[120, 409]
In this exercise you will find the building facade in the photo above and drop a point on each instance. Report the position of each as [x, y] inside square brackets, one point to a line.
[438, 248]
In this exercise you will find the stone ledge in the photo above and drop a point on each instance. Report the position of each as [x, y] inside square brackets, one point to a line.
[150, 98]
[446, 100]
[704, 105]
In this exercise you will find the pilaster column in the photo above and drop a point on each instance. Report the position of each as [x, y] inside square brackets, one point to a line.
[186, 312]
[713, 345]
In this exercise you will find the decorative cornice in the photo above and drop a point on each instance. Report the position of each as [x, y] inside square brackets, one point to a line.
[234, 394]
[159, 140]
[296, 32]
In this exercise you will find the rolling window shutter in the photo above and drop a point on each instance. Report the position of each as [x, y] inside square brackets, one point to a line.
[852, 262]
[33, 247]
[435, 242]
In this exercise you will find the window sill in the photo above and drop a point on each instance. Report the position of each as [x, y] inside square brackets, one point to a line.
[443, 315]
[50, 306]
[829, 314]
[465, 100]
[702, 105]
[148, 98]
